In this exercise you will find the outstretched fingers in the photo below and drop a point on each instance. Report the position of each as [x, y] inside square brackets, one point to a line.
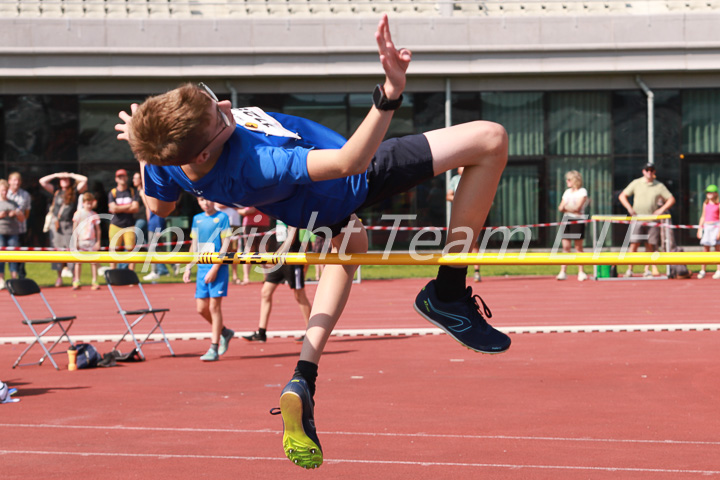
[394, 61]
[124, 128]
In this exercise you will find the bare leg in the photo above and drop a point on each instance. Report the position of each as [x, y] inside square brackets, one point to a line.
[331, 297]
[304, 304]
[649, 247]
[216, 318]
[566, 249]
[579, 248]
[76, 274]
[481, 147]
[706, 248]
[203, 309]
[266, 294]
[633, 249]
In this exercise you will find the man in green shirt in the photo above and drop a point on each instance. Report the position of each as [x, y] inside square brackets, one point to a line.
[650, 197]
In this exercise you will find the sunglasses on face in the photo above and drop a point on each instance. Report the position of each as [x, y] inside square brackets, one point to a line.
[226, 121]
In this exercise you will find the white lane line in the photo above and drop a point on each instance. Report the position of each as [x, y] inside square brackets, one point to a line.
[368, 434]
[372, 462]
[399, 332]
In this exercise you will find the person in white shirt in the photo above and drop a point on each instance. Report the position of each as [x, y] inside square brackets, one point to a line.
[572, 205]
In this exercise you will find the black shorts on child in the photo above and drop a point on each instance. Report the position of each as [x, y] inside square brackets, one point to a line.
[294, 275]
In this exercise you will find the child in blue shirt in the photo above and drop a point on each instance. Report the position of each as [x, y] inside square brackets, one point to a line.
[310, 177]
[211, 232]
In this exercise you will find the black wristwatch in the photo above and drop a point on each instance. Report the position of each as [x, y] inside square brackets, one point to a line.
[381, 101]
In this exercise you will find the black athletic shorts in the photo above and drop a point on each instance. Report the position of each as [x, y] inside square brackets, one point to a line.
[398, 165]
[294, 275]
[575, 229]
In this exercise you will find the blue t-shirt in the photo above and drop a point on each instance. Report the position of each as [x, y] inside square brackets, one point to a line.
[269, 172]
[210, 230]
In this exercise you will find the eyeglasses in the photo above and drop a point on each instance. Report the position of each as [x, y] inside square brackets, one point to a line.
[222, 115]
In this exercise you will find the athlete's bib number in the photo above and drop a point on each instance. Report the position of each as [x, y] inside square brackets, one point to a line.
[256, 120]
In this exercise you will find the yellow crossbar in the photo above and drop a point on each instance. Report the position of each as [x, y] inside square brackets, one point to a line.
[637, 218]
[586, 258]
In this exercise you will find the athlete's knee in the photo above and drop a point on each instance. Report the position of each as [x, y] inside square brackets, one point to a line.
[493, 140]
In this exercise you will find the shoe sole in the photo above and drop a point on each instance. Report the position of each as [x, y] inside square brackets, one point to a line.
[299, 448]
[487, 352]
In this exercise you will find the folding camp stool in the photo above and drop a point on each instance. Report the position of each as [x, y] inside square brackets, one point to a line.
[25, 287]
[123, 277]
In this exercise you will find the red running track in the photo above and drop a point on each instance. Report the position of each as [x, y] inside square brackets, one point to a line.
[562, 405]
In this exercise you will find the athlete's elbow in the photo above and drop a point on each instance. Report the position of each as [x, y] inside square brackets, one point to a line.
[355, 167]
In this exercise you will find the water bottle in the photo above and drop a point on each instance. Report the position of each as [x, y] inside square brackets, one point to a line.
[72, 358]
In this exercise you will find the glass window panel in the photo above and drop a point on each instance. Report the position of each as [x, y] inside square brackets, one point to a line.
[40, 128]
[629, 110]
[668, 120]
[516, 201]
[579, 123]
[329, 110]
[522, 116]
[466, 107]
[98, 141]
[701, 121]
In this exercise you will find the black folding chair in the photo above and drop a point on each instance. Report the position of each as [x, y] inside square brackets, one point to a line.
[26, 287]
[123, 277]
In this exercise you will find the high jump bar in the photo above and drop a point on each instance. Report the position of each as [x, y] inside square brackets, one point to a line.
[637, 218]
[418, 258]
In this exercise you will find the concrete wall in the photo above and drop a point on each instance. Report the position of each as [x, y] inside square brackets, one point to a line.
[320, 54]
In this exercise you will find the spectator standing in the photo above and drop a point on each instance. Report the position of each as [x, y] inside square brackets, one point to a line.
[24, 202]
[63, 207]
[573, 204]
[123, 203]
[647, 192]
[11, 216]
[86, 224]
[709, 231]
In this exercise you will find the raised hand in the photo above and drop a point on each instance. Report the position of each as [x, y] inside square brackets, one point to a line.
[124, 128]
[394, 61]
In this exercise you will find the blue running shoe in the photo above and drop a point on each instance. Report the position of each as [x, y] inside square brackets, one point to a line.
[300, 440]
[462, 320]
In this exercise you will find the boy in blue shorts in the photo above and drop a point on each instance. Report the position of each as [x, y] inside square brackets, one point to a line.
[309, 176]
[211, 232]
